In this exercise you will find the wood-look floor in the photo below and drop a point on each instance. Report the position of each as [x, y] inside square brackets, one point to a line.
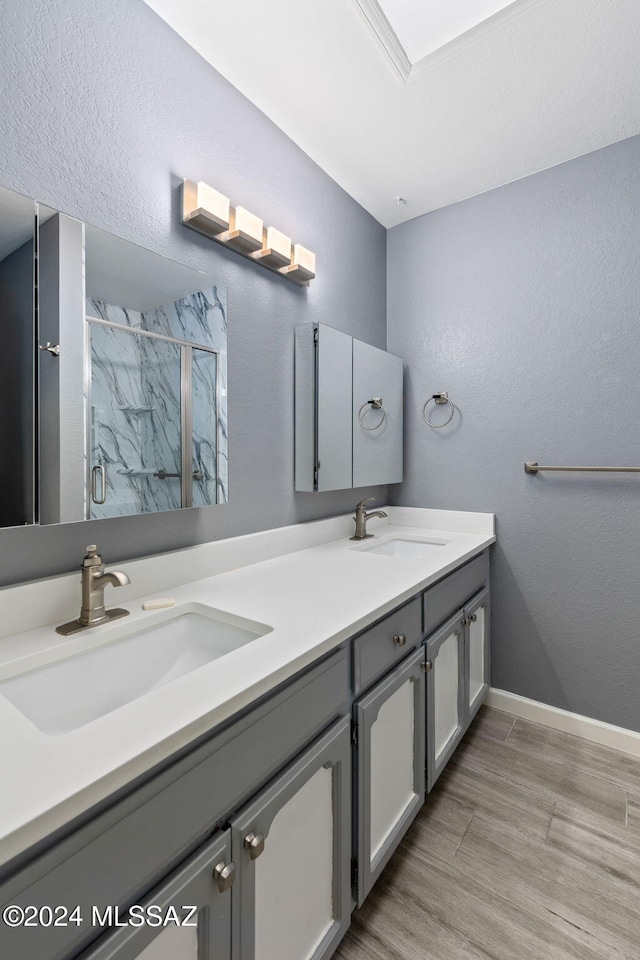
[528, 848]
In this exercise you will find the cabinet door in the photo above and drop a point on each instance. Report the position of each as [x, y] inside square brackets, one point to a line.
[477, 616]
[377, 443]
[323, 360]
[186, 918]
[445, 660]
[391, 775]
[292, 847]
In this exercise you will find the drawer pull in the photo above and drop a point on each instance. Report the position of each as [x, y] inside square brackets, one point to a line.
[225, 874]
[400, 639]
[254, 842]
[427, 665]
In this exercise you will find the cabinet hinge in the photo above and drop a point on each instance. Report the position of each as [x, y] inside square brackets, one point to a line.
[354, 874]
[354, 733]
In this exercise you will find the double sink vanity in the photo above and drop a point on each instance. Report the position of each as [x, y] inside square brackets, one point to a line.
[244, 758]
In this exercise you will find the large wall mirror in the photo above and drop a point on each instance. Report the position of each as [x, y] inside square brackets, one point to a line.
[114, 380]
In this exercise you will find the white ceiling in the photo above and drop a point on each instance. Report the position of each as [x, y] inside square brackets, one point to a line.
[539, 83]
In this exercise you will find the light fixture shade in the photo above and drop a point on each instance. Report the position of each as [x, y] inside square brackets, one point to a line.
[303, 265]
[204, 208]
[276, 249]
[245, 231]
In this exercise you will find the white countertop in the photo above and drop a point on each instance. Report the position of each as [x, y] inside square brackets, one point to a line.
[314, 598]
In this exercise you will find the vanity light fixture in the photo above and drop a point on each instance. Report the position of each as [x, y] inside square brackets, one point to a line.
[207, 211]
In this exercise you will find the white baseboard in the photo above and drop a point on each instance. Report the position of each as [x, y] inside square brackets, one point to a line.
[604, 733]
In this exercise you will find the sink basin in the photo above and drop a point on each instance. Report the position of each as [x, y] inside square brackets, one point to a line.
[70, 693]
[406, 548]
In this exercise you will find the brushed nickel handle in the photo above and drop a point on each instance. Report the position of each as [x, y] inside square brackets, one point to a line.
[225, 874]
[98, 470]
[473, 618]
[254, 842]
[427, 665]
[400, 639]
[52, 348]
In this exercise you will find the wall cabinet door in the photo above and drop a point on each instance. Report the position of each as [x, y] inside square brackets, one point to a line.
[198, 894]
[292, 849]
[446, 708]
[390, 763]
[477, 620]
[377, 432]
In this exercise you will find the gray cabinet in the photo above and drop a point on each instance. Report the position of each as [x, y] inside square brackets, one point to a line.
[188, 917]
[389, 732]
[123, 852]
[445, 668]
[292, 846]
[385, 644]
[275, 884]
[457, 658]
[342, 439]
[477, 617]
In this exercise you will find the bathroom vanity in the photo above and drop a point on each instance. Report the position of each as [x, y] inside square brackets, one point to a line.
[264, 791]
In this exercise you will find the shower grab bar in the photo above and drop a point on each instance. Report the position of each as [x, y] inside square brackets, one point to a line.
[532, 466]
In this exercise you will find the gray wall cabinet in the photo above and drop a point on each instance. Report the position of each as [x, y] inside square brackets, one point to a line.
[390, 738]
[377, 432]
[341, 439]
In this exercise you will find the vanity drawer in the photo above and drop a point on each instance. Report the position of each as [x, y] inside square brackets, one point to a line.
[117, 857]
[443, 599]
[375, 651]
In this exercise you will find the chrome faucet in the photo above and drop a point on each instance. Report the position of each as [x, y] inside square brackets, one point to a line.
[94, 580]
[361, 518]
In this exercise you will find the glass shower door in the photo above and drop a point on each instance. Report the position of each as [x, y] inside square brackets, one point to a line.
[135, 428]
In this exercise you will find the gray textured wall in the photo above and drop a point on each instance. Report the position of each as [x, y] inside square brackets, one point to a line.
[524, 304]
[103, 111]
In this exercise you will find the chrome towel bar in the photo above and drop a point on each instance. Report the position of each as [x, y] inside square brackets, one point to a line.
[532, 466]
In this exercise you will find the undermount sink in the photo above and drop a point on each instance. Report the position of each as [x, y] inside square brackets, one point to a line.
[405, 548]
[70, 693]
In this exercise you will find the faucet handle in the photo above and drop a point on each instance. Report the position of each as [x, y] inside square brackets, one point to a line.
[92, 558]
[361, 505]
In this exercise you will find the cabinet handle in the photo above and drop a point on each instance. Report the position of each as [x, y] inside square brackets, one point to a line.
[254, 842]
[473, 617]
[225, 874]
[427, 665]
[400, 639]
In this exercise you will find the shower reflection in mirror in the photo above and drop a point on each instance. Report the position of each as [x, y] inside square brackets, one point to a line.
[156, 374]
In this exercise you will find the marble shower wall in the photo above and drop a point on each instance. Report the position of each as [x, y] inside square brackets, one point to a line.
[135, 403]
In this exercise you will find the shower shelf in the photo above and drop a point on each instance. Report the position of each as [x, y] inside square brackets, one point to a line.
[129, 408]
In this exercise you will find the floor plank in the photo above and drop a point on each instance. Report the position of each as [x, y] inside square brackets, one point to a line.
[528, 848]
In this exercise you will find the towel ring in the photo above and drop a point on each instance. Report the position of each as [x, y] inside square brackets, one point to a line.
[376, 404]
[442, 397]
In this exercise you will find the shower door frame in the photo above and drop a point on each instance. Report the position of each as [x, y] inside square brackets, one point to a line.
[186, 407]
